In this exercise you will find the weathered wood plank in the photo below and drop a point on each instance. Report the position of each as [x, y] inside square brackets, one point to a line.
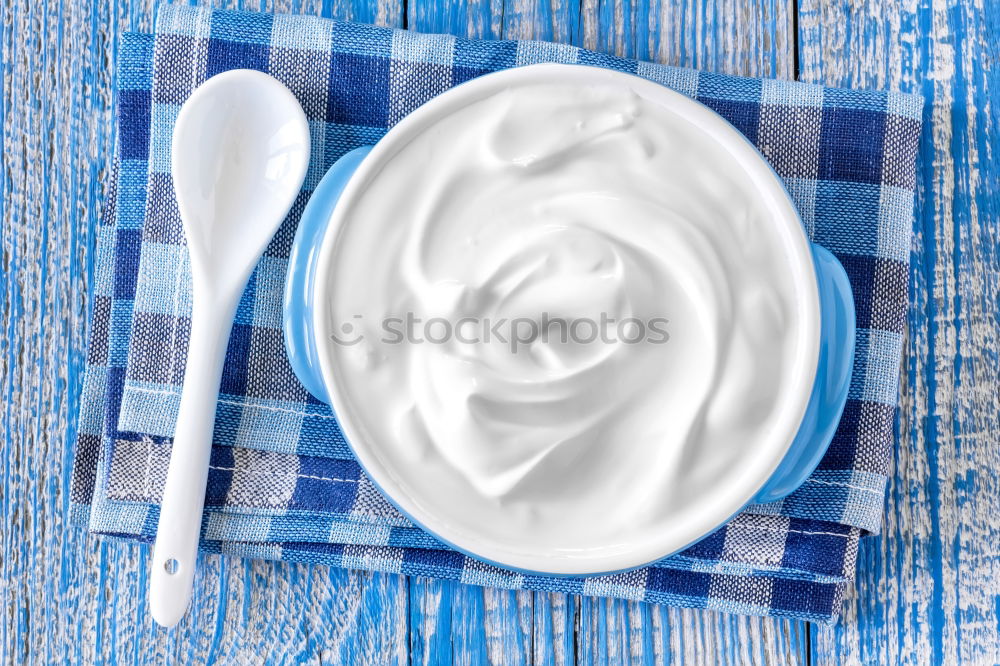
[748, 37]
[553, 630]
[929, 589]
[620, 632]
[475, 19]
[46, 212]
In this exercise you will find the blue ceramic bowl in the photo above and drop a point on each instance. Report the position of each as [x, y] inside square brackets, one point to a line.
[818, 424]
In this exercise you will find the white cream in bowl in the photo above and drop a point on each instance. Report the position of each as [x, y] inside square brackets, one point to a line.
[560, 194]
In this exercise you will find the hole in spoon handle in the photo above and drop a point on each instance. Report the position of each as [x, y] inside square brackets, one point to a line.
[170, 585]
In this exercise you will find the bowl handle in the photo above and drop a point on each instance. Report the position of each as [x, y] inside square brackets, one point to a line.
[833, 379]
[300, 341]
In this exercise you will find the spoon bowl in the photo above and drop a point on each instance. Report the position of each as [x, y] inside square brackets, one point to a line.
[239, 155]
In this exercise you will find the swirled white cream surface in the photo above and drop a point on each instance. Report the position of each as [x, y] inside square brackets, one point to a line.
[562, 206]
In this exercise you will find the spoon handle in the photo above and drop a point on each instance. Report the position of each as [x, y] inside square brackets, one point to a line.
[183, 500]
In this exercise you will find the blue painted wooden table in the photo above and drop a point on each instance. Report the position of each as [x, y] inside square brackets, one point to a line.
[928, 589]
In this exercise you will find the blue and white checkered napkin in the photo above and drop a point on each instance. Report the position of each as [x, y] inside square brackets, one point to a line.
[283, 483]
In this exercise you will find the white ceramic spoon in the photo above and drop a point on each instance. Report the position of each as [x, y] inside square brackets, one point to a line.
[240, 153]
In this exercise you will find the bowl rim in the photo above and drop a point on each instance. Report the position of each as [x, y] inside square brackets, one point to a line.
[797, 246]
